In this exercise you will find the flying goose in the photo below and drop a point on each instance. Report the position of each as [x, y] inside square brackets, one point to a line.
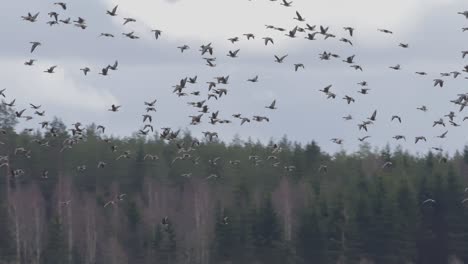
[54, 15]
[396, 117]
[311, 36]
[405, 46]
[128, 20]
[416, 139]
[345, 40]
[429, 201]
[268, 39]
[51, 69]
[30, 62]
[114, 108]
[113, 12]
[280, 59]
[254, 79]
[373, 116]
[11, 104]
[350, 59]
[387, 164]
[30, 17]
[439, 122]
[464, 13]
[35, 44]
[299, 17]
[104, 71]
[364, 91]
[356, 67]
[244, 119]
[65, 21]
[147, 117]
[114, 66]
[157, 34]
[249, 36]
[106, 35]
[348, 117]
[85, 70]
[385, 31]
[443, 134]
[234, 39]
[285, 3]
[131, 35]
[439, 82]
[398, 137]
[212, 176]
[422, 108]
[349, 99]
[363, 138]
[62, 5]
[350, 30]
[396, 67]
[233, 54]
[272, 105]
[35, 107]
[183, 48]
[421, 73]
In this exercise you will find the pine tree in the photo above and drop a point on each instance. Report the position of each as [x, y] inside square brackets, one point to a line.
[56, 251]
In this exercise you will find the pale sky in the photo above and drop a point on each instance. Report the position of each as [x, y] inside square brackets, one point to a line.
[148, 68]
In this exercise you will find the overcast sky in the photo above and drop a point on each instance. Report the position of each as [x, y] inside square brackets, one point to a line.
[148, 68]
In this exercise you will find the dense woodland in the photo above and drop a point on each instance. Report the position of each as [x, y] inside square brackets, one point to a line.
[356, 212]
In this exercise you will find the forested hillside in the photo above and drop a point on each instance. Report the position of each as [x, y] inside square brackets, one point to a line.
[255, 204]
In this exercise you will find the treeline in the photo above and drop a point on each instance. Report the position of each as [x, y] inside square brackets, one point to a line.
[253, 212]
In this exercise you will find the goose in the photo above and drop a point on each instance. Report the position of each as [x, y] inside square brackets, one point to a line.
[363, 138]
[443, 134]
[290, 168]
[2, 92]
[210, 135]
[45, 174]
[272, 105]
[147, 117]
[101, 128]
[233, 40]
[213, 162]
[35, 107]
[128, 20]
[150, 104]
[439, 82]
[272, 157]
[398, 137]
[260, 118]
[183, 48]
[396, 67]
[311, 36]
[62, 5]
[385, 31]
[244, 119]
[186, 175]
[19, 113]
[52, 22]
[464, 53]
[151, 157]
[286, 3]
[85, 70]
[328, 35]
[249, 36]
[151, 128]
[53, 15]
[157, 34]
[350, 30]
[373, 116]
[65, 21]
[233, 54]
[82, 26]
[298, 65]
[268, 39]
[112, 202]
[356, 67]
[350, 59]
[331, 95]
[417, 139]
[323, 30]
[464, 200]
[35, 44]
[280, 59]
[254, 79]
[348, 117]
[396, 117]
[206, 48]
[193, 80]
[437, 149]
[422, 108]
[453, 123]
[51, 69]
[464, 13]
[30, 62]
[114, 66]
[131, 35]
[421, 73]
[455, 74]
[450, 115]
[106, 35]
[30, 17]
[323, 169]
[104, 71]
[429, 201]
[439, 122]
[349, 99]
[405, 46]
[299, 17]
[363, 91]
[212, 176]
[80, 21]
[196, 119]
[11, 104]
[113, 12]
[345, 40]
[114, 108]
[212, 95]
[338, 141]
[387, 164]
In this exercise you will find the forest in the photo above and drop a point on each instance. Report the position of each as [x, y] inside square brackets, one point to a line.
[250, 206]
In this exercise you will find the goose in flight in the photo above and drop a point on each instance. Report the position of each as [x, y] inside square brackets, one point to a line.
[350, 59]
[403, 45]
[233, 54]
[35, 107]
[11, 104]
[254, 79]
[131, 35]
[356, 67]
[35, 44]
[234, 39]
[114, 108]
[280, 59]
[387, 164]
[106, 35]
[85, 70]
[268, 39]
[62, 5]
[363, 90]
[113, 12]
[417, 139]
[350, 30]
[51, 69]
[421, 73]
[104, 71]
[272, 106]
[363, 138]
[30, 17]
[398, 137]
[348, 117]
[147, 117]
[345, 40]
[439, 122]
[373, 116]
[323, 169]
[157, 33]
[150, 103]
[396, 67]
[30, 62]
[349, 99]
[212, 176]
[311, 36]
[54, 15]
[443, 134]
[396, 117]
[292, 33]
[385, 31]
[464, 13]
[113, 67]
[65, 21]
[429, 201]
[249, 36]
[128, 20]
[183, 48]
[19, 113]
[422, 108]
[299, 17]
[439, 82]
[286, 3]
[298, 65]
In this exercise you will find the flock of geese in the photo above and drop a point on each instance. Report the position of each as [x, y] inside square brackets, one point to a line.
[216, 89]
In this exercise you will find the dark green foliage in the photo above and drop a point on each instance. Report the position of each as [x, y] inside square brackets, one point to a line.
[56, 250]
